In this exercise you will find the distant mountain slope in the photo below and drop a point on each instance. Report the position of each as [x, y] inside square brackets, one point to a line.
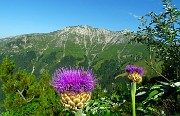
[105, 51]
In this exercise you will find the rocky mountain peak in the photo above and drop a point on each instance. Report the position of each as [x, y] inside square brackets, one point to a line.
[85, 30]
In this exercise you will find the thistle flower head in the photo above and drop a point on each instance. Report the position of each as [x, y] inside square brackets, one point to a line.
[134, 69]
[73, 80]
[134, 73]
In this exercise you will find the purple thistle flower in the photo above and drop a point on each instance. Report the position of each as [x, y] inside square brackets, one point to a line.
[73, 80]
[134, 69]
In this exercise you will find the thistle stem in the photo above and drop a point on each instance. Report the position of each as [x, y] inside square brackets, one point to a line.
[80, 113]
[133, 92]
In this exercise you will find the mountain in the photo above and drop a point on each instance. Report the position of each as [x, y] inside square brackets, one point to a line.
[106, 52]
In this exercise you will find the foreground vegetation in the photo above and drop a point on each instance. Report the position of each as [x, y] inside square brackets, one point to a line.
[24, 95]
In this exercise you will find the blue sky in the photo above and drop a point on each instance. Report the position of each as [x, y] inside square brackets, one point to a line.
[43, 16]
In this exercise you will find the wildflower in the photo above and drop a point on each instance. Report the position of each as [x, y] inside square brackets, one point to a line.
[134, 73]
[74, 86]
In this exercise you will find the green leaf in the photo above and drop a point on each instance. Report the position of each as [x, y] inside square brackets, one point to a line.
[153, 93]
[155, 87]
[121, 75]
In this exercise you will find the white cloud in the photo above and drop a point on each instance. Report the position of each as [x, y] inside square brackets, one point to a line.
[134, 15]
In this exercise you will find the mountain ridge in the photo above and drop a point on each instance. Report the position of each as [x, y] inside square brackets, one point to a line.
[65, 28]
[85, 36]
[75, 46]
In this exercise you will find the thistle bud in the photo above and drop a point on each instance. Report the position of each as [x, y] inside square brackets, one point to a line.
[134, 73]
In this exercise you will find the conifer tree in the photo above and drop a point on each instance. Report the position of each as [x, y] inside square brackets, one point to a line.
[24, 95]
